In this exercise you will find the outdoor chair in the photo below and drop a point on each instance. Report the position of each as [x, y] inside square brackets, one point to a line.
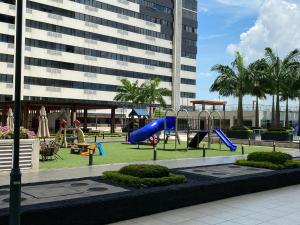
[49, 151]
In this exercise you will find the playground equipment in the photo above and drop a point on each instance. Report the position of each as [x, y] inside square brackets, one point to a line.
[61, 135]
[98, 146]
[172, 125]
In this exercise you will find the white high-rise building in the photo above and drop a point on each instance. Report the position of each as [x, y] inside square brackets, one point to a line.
[77, 51]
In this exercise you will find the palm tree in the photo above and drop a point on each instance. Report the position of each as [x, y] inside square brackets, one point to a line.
[232, 81]
[289, 91]
[151, 93]
[128, 92]
[296, 91]
[279, 71]
[258, 83]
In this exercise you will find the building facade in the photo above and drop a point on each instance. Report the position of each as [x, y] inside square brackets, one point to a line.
[77, 51]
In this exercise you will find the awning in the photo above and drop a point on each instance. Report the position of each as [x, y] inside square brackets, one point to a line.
[139, 112]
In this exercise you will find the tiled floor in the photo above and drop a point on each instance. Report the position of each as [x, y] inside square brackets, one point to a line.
[225, 171]
[82, 172]
[45, 193]
[275, 207]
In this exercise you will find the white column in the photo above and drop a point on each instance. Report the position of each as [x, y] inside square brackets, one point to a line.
[177, 38]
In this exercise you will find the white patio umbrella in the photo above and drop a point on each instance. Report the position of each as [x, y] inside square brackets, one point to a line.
[10, 120]
[43, 130]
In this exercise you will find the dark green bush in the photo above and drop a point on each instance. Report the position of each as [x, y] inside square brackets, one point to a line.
[145, 171]
[240, 128]
[128, 180]
[272, 157]
[282, 129]
[266, 165]
[290, 164]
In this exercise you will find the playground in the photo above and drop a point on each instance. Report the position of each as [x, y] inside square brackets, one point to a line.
[116, 152]
[170, 136]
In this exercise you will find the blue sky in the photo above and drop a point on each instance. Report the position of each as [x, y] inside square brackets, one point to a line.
[220, 24]
[245, 25]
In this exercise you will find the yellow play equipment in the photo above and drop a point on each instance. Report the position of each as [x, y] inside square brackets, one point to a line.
[61, 135]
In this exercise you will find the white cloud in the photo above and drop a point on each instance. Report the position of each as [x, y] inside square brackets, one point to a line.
[277, 26]
[205, 74]
[202, 9]
[242, 3]
[211, 36]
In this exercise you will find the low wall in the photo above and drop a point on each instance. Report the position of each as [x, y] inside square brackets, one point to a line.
[29, 154]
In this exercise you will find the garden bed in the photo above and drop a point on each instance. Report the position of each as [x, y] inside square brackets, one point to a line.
[137, 202]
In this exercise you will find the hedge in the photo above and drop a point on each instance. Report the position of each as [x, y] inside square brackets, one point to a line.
[290, 164]
[272, 157]
[132, 181]
[144, 176]
[145, 171]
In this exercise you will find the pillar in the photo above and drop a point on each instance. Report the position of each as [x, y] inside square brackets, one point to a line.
[4, 115]
[113, 120]
[177, 42]
[25, 116]
[85, 115]
[73, 115]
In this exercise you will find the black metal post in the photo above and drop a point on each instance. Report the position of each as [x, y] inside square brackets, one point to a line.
[95, 138]
[203, 152]
[243, 150]
[91, 154]
[103, 135]
[15, 175]
[274, 147]
[154, 152]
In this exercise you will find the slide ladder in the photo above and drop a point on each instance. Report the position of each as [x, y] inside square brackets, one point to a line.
[197, 139]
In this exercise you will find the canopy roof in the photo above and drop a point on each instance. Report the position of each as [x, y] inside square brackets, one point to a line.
[139, 112]
[206, 102]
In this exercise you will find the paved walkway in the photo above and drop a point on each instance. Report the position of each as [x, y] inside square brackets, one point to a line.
[275, 207]
[83, 172]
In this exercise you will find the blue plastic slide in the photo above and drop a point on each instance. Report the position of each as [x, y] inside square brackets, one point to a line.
[150, 129]
[225, 140]
[100, 148]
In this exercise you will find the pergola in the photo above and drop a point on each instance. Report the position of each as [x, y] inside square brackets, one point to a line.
[210, 103]
[31, 109]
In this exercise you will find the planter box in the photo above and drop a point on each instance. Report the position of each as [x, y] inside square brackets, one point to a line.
[29, 154]
[239, 134]
[131, 204]
[276, 136]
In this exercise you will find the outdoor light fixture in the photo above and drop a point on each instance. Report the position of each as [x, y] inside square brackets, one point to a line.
[15, 176]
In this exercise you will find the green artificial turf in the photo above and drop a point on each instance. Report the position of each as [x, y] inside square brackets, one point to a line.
[117, 152]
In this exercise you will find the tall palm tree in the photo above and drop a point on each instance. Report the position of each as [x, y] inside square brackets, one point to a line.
[296, 91]
[232, 81]
[129, 92]
[152, 93]
[279, 71]
[258, 83]
[289, 91]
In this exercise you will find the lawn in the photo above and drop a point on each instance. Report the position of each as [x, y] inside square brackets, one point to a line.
[118, 152]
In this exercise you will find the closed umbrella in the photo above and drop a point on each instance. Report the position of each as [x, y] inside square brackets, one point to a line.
[43, 131]
[10, 120]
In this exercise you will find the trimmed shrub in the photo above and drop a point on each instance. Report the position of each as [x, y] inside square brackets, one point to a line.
[144, 176]
[145, 171]
[272, 157]
[128, 180]
[266, 165]
[240, 128]
[290, 164]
